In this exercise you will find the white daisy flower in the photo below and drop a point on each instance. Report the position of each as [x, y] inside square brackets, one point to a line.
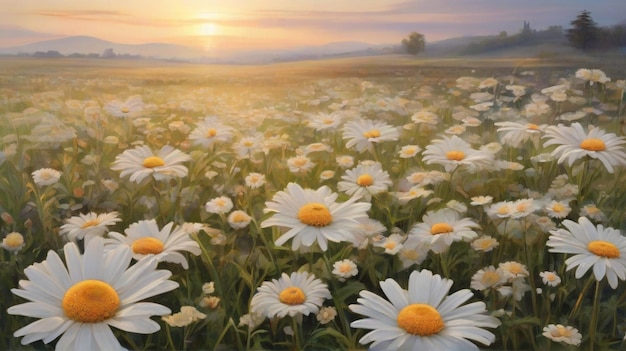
[297, 294]
[443, 227]
[487, 278]
[255, 180]
[485, 243]
[211, 131]
[409, 151]
[13, 242]
[142, 162]
[453, 152]
[515, 134]
[550, 278]
[132, 107]
[326, 314]
[573, 144]
[423, 317]
[239, 219]
[365, 181]
[558, 209]
[363, 134]
[602, 248]
[345, 269]
[300, 164]
[392, 244]
[46, 176]
[564, 334]
[222, 204]
[88, 225]
[314, 216]
[95, 291]
[513, 270]
[144, 238]
[325, 121]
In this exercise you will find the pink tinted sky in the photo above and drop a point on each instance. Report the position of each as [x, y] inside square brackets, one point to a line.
[285, 23]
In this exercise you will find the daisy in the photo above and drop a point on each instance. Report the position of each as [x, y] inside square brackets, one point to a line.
[453, 152]
[345, 161]
[513, 270]
[592, 75]
[145, 239]
[297, 294]
[550, 278]
[487, 278]
[93, 292]
[365, 181]
[592, 211]
[485, 243]
[363, 134]
[46, 176]
[222, 204]
[392, 244]
[409, 151]
[88, 225]
[314, 216]
[13, 242]
[515, 134]
[211, 131]
[443, 227]
[573, 143]
[413, 251]
[565, 334]
[325, 121]
[142, 162]
[132, 107]
[345, 269]
[239, 219]
[326, 314]
[426, 117]
[255, 180]
[300, 164]
[558, 209]
[604, 249]
[249, 145]
[423, 317]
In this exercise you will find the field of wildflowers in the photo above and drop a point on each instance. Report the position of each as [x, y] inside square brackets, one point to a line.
[405, 208]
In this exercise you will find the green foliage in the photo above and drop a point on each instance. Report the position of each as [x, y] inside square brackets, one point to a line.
[414, 43]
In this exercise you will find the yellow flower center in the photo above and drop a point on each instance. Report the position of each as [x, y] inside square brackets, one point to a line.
[13, 240]
[345, 267]
[220, 202]
[516, 269]
[390, 245]
[441, 228]
[603, 248]
[315, 214]
[558, 207]
[300, 162]
[374, 133]
[292, 296]
[239, 217]
[153, 161]
[248, 143]
[455, 155]
[503, 210]
[560, 331]
[125, 109]
[420, 319]
[490, 278]
[211, 132]
[90, 301]
[90, 223]
[147, 245]
[593, 144]
[532, 126]
[365, 180]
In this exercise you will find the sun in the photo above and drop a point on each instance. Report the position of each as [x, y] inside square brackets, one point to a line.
[208, 29]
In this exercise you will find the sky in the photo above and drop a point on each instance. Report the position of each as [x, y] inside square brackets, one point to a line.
[269, 24]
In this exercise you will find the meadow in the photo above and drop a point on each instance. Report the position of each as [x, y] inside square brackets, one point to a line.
[338, 204]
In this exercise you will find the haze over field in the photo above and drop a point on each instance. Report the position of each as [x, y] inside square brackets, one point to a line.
[213, 27]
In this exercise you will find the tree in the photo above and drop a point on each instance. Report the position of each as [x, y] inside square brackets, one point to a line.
[584, 31]
[414, 44]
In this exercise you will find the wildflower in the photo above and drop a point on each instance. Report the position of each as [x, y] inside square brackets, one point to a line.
[142, 162]
[515, 134]
[345, 161]
[325, 121]
[517, 289]
[550, 278]
[132, 107]
[454, 152]
[392, 244]
[513, 270]
[423, 317]
[13, 242]
[364, 181]
[592, 76]
[413, 193]
[592, 211]
[326, 175]
[363, 134]
[94, 291]
[186, 316]
[564, 334]
[573, 143]
[481, 200]
[503, 209]
[426, 117]
[326, 314]
[604, 249]
[211, 131]
[365, 230]
[88, 225]
[222, 204]
[210, 302]
[144, 238]
[345, 269]
[558, 209]
[300, 164]
[255, 180]
[487, 278]
[485, 243]
[46, 176]
[248, 146]
[252, 320]
[314, 216]
[413, 251]
[443, 227]
[297, 294]
[409, 151]
[239, 219]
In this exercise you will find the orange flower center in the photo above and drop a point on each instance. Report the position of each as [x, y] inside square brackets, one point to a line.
[211, 132]
[147, 245]
[90, 301]
[374, 133]
[390, 245]
[455, 155]
[490, 278]
[365, 180]
[292, 296]
[420, 319]
[153, 161]
[90, 223]
[561, 331]
[603, 249]
[345, 267]
[532, 126]
[315, 214]
[125, 109]
[441, 228]
[593, 144]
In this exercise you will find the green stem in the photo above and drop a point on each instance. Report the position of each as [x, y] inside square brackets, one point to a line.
[580, 298]
[594, 316]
